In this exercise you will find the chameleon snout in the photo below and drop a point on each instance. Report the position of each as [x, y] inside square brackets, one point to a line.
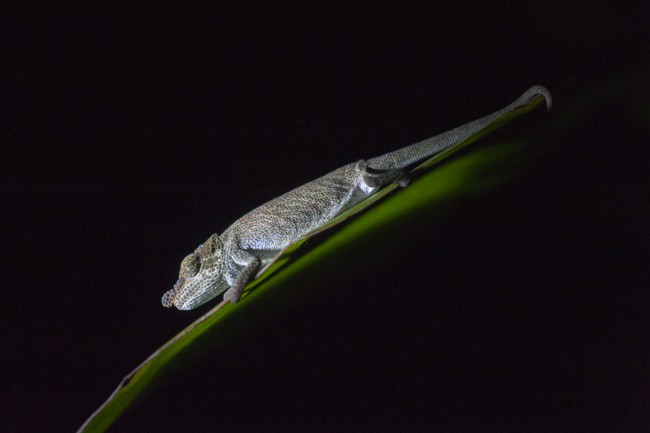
[168, 298]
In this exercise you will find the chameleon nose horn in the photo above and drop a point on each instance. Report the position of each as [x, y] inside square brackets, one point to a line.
[168, 298]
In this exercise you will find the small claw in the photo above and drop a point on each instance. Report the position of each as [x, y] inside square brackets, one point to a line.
[403, 179]
[231, 296]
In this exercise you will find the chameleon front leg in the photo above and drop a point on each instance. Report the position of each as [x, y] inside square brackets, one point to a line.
[251, 264]
[375, 177]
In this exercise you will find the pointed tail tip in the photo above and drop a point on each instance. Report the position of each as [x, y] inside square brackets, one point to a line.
[538, 90]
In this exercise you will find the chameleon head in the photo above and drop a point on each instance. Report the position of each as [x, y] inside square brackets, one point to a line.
[200, 278]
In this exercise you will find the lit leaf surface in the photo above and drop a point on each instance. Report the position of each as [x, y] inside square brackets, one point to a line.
[440, 177]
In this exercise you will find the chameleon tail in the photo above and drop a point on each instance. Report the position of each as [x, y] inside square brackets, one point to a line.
[423, 149]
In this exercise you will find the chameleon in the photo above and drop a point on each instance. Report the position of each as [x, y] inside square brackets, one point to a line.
[229, 261]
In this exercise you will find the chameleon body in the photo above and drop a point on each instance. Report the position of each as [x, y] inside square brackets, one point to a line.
[228, 262]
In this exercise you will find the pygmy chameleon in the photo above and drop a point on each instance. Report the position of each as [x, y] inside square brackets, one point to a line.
[230, 260]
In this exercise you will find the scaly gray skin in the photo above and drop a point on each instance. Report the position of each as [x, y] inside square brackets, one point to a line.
[232, 258]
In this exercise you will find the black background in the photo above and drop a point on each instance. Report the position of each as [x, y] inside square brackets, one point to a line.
[131, 133]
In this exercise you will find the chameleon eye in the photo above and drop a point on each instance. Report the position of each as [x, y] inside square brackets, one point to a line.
[190, 266]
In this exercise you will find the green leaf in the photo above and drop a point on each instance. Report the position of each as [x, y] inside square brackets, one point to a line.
[473, 168]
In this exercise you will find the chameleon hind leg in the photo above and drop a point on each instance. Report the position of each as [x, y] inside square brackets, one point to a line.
[377, 177]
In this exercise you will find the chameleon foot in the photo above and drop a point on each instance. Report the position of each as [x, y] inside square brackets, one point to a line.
[375, 177]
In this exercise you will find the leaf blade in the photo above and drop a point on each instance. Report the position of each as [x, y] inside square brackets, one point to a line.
[448, 179]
